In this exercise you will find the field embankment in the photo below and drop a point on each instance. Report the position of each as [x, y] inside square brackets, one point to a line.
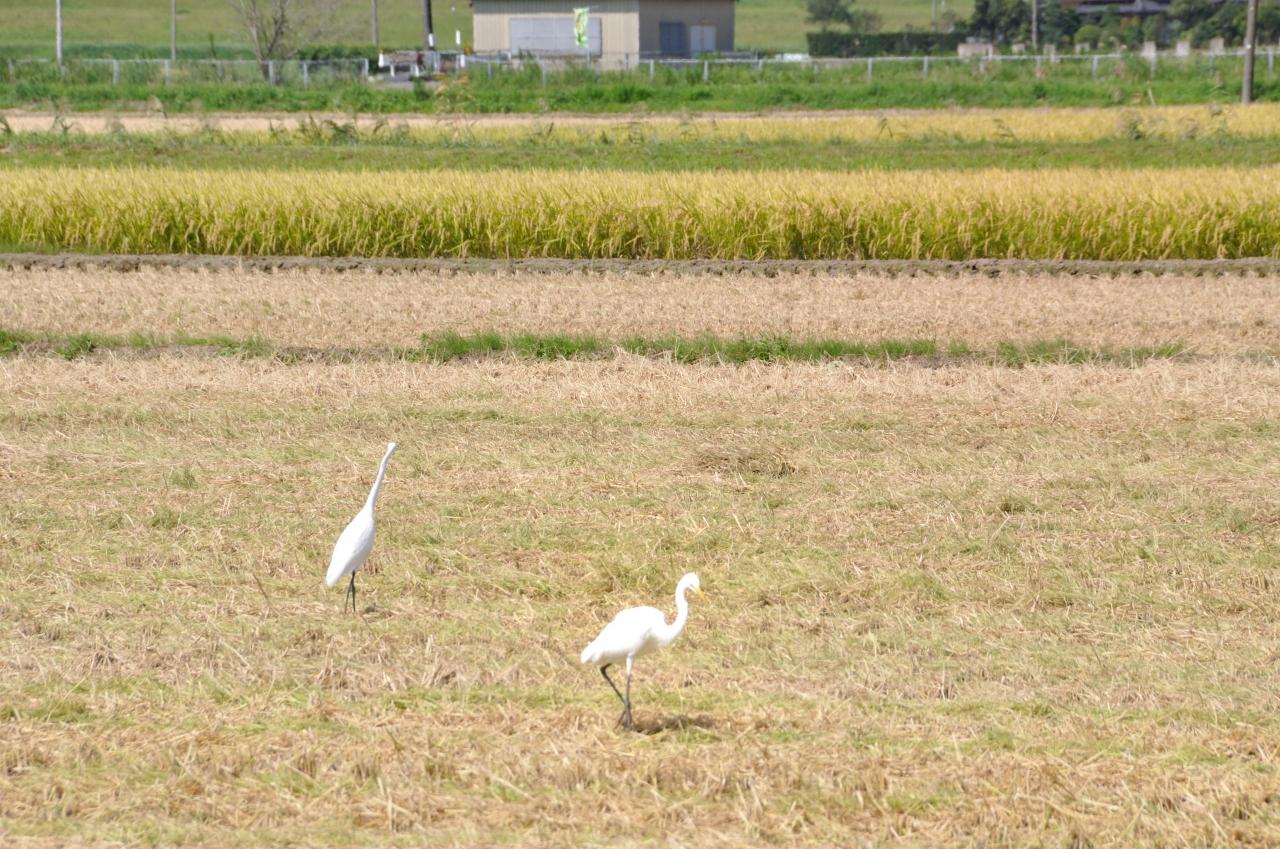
[1052, 214]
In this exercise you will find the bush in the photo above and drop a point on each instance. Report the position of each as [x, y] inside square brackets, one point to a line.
[324, 52]
[1089, 34]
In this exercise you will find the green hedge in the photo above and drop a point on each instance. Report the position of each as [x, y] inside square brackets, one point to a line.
[882, 43]
[323, 52]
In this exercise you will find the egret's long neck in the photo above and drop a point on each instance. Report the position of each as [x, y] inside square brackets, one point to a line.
[377, 484]
[670, 632]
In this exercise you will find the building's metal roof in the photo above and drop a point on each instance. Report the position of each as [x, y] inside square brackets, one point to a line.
[1132, 7]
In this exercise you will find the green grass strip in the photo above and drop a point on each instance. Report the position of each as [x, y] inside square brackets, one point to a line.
[450, 346]
[12, 340]
[777, 348]
[77, 345]
[294, 151]
[741, 89]
[1062, 352]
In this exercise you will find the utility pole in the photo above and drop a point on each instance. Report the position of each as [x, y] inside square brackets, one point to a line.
[1250, 51]
[428, 35]
[375, 22]
[173, 30]
[428, 30]
[1035, 26]
[57, 40]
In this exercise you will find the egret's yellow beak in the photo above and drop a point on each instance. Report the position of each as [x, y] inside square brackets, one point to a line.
[700, 593]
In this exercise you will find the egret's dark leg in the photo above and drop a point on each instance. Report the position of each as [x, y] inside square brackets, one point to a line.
[351, 594]
[630, 724]
[604, 670]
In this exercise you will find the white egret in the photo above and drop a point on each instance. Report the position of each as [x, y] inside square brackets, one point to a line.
[356, 540]
[634, 632]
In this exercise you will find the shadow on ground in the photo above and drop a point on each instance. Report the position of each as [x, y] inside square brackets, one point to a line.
[674, 723]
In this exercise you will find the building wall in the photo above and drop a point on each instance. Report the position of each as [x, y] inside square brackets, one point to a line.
[718, 13]
[619, 23]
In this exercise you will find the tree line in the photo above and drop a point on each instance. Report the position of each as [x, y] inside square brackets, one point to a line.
[1010, 21]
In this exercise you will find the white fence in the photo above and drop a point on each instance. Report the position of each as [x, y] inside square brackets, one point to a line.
[118, 71]
[309, 72]
[1097, 63]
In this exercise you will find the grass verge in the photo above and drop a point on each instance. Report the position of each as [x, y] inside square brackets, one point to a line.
[614, 150]
[1126, 82]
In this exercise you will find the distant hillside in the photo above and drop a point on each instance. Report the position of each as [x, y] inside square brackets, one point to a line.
[144, 24]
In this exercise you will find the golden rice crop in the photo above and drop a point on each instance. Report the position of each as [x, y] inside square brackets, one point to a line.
[1069, 213]
[1025, 124]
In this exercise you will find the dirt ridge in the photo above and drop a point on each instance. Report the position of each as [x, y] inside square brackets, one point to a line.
[1260, 266]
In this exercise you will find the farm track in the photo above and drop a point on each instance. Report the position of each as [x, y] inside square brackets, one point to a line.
[1260, 266]
[99, 122]
[1025, 123]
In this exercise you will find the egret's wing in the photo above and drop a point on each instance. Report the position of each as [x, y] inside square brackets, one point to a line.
[625, 635]
[352, 549]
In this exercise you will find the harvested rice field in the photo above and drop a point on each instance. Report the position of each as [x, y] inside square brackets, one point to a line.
[952, 599]
[1237, 315]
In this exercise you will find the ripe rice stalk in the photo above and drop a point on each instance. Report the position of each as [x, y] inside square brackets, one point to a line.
[1055, 214]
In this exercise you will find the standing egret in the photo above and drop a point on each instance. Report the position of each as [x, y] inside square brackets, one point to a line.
[634, 632]
[356, 540]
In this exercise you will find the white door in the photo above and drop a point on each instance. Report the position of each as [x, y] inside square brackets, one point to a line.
[702, 38]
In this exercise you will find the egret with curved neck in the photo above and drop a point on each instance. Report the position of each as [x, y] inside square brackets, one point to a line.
[634, 632]
[356, 540]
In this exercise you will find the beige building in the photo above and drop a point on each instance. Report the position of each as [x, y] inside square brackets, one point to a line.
[620, 32]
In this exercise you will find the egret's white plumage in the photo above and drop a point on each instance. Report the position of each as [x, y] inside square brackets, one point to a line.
[356, 540]
[638, 631]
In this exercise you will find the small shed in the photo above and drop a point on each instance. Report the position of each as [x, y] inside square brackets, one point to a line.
[980, 49]
[620, 33]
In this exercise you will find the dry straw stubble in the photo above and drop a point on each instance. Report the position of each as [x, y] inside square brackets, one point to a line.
[1233, 315]
[972, 605]
[947, 606]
